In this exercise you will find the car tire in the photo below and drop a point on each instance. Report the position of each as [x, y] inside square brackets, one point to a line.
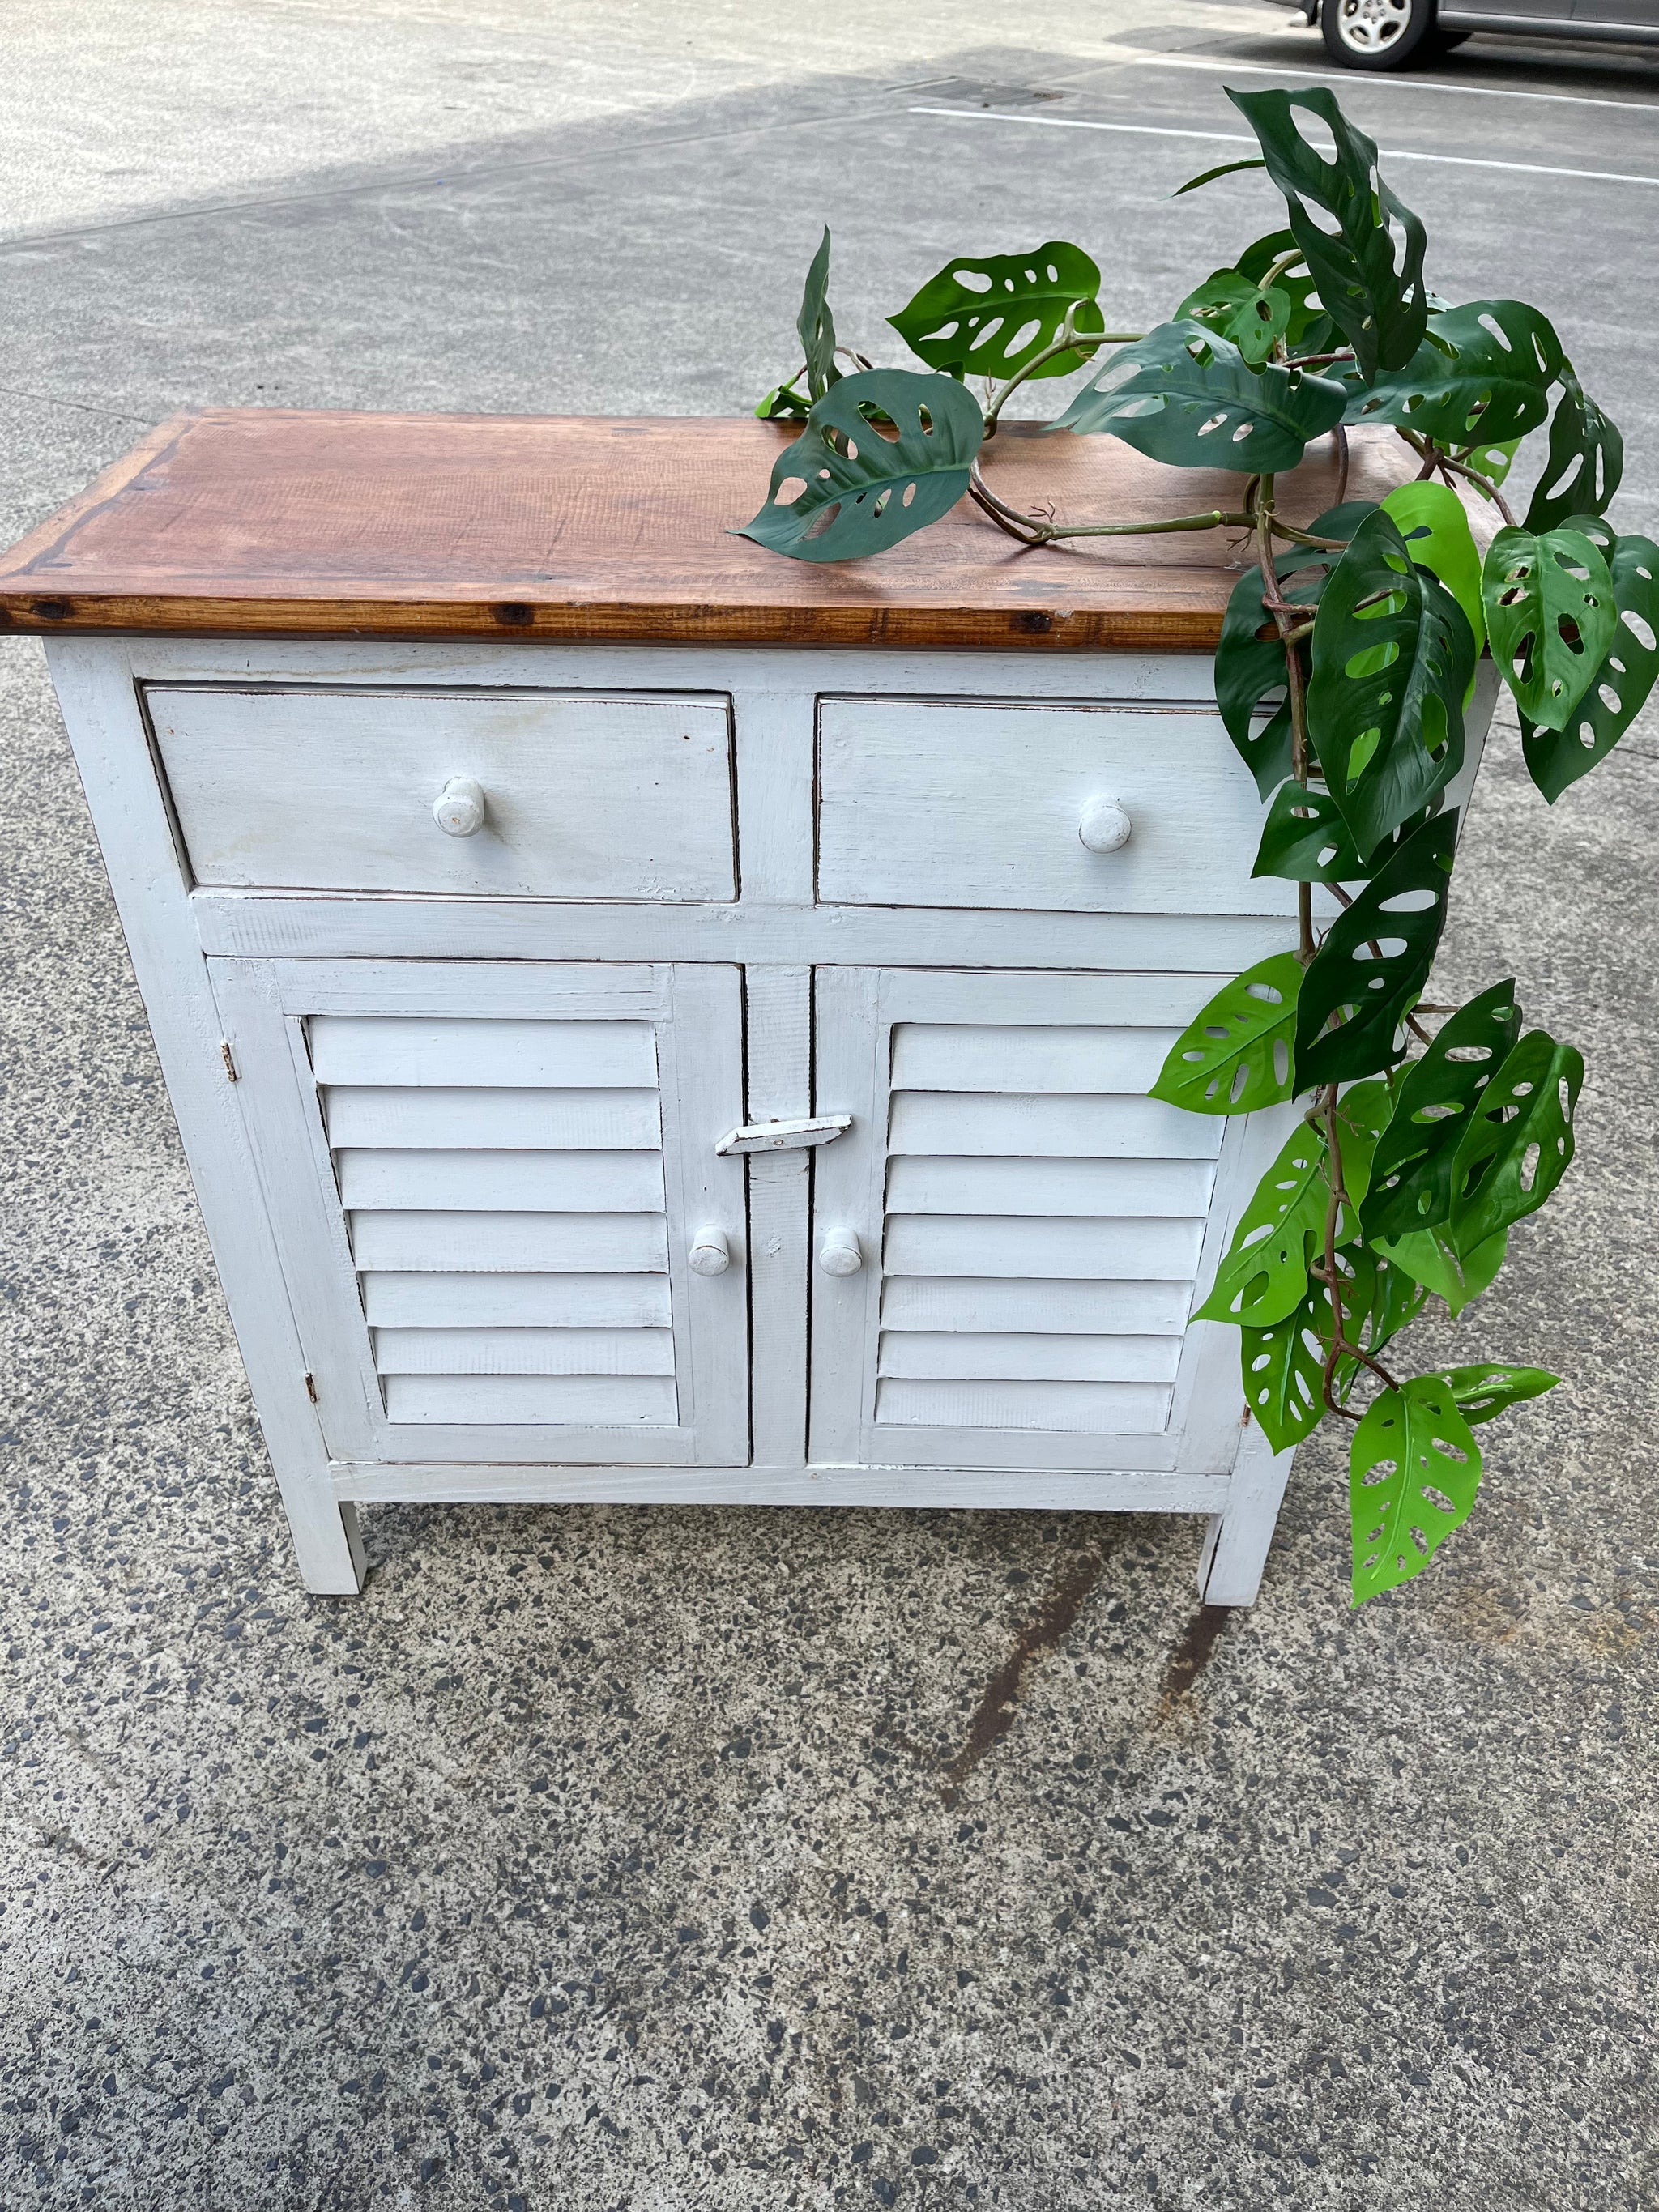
[1376, 34]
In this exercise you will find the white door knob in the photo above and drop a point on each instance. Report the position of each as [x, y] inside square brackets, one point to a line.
[710, 1254]
[1105, 825]
[840, 1253]
[459, 808]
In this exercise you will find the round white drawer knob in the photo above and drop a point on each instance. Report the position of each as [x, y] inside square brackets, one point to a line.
[459, 808]
[710, 1254]
[840, 1253]
[1104, 826]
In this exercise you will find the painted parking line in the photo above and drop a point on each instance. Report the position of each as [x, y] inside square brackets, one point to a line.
[1231, 138]
[1138, 58]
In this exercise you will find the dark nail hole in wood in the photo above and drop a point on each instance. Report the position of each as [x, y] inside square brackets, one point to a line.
[515, 614]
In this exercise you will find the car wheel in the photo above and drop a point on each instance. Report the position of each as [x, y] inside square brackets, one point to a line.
[1376, 34]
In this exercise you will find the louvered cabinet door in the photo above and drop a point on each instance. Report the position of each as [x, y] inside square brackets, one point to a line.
[485, 1181]
[1026, 1231]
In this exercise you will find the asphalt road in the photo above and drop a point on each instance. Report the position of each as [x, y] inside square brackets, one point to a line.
[641, 1861]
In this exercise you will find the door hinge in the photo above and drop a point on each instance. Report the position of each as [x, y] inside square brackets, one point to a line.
[231, 1074]
[311, 1389]
[785, 1136]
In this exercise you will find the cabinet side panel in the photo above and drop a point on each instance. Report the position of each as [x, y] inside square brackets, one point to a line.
[95, 688]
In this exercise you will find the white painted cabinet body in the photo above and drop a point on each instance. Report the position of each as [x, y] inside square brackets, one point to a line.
[468, 955]
[472, 1137]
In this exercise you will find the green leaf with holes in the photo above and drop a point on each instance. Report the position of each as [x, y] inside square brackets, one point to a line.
[1411, 1186]
[1305, 839]
[1493, 457]
[861, 491]
[1518, 1142]
[1398, 1299]
[1551, 613]
[1376, 297]
[1482, 373]
[1283, 1366]
[1279, 256]
[1484, 1391]
[1249, 678]
[1236, 1055]
[1586, 461]
[1362, 1112]
[1620, 687]
[989, 315]
[1365, 993]
[1413, 1470]
[783, 404]
[816, 327]
[1253, 317]
[1186, 395]
[1432, 521]
[1264, 1276]
[1249, 662]
[1378, 1299]
[1393, 657]
[1438, 1260]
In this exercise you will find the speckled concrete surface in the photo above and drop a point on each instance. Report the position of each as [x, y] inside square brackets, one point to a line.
[628, 1861]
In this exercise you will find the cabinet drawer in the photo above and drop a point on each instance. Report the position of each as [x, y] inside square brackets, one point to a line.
[942, 803]
[585, 795]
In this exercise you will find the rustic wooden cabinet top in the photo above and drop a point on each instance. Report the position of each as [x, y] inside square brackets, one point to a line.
[288, 523]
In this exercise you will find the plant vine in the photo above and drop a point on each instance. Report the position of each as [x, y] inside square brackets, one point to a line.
[1347, 661]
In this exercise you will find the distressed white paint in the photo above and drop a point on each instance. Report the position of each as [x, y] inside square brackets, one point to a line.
[459, 808]
[931, 802]
[402, 1375]
[468, 1187]
[575, 797]
[1029, 1300]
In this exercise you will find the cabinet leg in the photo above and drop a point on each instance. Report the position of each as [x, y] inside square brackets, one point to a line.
[1235, 1543]
[328, 1547]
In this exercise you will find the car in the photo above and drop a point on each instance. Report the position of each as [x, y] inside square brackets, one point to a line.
[1385, 35]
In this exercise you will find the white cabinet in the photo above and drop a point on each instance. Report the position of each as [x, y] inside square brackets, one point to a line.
[462, 1109]
[513, 860]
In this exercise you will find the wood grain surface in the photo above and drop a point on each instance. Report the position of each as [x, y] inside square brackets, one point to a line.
[286, 523]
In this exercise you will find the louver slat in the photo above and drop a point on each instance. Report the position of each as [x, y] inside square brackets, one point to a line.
[503, 1187]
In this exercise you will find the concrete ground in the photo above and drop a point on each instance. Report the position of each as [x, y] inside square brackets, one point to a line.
[640, 1861]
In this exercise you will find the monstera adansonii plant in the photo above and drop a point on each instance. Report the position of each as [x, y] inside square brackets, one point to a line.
[1347, 661]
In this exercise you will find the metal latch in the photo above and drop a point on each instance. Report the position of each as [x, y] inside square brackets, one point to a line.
[785, 1136]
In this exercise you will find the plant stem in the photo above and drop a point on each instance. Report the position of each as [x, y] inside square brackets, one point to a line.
[1039, 532]
[1427, 451]
[1284, 261]
[1006, 518]
[1340, 1345]
[1292, 625]
[1069, 341]
[1304, 538]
